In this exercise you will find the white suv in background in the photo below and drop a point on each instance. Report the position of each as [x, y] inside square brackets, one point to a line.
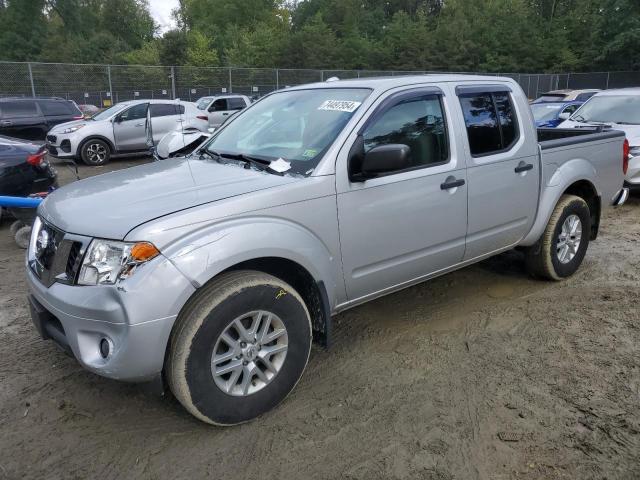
[618, 109]
[220, 107]
[121, 130]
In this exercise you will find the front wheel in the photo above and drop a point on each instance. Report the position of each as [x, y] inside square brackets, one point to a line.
[239, 347]
[95, 152]
[563, 245]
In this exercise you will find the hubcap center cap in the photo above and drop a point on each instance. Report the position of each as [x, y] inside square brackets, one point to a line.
[250, 352]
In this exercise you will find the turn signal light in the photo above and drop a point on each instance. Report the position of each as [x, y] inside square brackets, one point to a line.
[143, 251]
[625, 156]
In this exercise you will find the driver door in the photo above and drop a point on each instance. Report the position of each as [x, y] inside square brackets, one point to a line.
[129, 130]
[400, 227]
[218, 112]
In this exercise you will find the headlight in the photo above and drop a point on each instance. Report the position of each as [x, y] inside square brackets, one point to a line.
[107, 261]
[634, 151]
[73, 129]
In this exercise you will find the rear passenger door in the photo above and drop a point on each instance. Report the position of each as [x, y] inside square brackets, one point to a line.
[406, 224]
[503, 169]
[22, 119]
[165, 117]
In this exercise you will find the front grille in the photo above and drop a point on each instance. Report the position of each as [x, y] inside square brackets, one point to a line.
[52, 138]
[56, 257]
[73, 262]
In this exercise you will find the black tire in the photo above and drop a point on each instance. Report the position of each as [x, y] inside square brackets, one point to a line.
[15, 226]
[95, 152]
[23, 236]
[202, 322]
[542, 259]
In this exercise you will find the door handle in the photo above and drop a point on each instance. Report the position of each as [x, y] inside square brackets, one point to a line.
[452, 184]
[523, 167]
[225, 114]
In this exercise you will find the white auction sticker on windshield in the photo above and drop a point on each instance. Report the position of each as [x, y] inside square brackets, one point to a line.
[340, 105]
[280, 165]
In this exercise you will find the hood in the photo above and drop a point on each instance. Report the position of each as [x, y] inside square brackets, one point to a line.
[112, 204]
[62, 126]
[632, 132]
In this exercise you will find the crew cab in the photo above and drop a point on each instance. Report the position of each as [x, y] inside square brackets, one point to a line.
[213, 272]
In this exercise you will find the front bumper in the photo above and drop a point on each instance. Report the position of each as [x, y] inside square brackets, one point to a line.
[632, 177]
[62, 145]
[135, 320]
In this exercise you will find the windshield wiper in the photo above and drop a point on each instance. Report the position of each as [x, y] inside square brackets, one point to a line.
[626, 123]
[210, 153]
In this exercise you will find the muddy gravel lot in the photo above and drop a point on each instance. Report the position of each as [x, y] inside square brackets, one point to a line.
[481, 374]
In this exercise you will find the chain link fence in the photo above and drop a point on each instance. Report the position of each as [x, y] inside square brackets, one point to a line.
[104, 85]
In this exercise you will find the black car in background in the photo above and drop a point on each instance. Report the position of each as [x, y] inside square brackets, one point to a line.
[32, 118]
[24, 168]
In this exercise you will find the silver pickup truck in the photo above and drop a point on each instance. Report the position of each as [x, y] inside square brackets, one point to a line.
[215, 271]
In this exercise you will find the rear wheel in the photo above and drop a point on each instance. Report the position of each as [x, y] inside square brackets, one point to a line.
[239, 347]
[95, 152]
[563, 245]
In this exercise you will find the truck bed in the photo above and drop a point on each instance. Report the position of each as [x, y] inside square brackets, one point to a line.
[560, 137]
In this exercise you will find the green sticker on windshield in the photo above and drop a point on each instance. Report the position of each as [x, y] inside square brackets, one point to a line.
[310, 153]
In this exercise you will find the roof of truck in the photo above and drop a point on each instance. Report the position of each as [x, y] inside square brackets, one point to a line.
[399, 81]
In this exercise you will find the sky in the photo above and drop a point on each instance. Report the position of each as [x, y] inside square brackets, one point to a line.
[161, 12]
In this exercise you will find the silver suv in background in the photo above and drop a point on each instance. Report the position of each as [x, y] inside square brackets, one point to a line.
[220, 107]
[120, 130]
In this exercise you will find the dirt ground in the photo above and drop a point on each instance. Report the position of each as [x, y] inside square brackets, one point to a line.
[480, 374]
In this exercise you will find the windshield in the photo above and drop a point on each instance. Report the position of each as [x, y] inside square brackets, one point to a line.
[624, 109]
[542, 112]
[203, 103]
[103, 115]
[297, 126]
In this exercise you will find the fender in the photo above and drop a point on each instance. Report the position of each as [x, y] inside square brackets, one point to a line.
[204, 253]
[558, 182]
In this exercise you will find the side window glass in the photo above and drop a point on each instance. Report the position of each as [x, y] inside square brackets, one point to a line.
[507, 116]
[19, 109]
[236, 103]
[52, 107]
[163, 109]
[491, 122]
[219, 105]
[482, 123]
[419, 124]
[136, 112]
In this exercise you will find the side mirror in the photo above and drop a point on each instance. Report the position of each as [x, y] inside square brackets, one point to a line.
[564, 116]
[212, 108]
[384, 159]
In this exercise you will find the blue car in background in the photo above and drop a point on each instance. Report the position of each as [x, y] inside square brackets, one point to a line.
[551, 114]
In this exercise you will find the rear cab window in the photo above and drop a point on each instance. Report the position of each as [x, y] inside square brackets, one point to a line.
[490, 119]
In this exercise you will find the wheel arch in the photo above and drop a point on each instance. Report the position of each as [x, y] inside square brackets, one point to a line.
[576, 177]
